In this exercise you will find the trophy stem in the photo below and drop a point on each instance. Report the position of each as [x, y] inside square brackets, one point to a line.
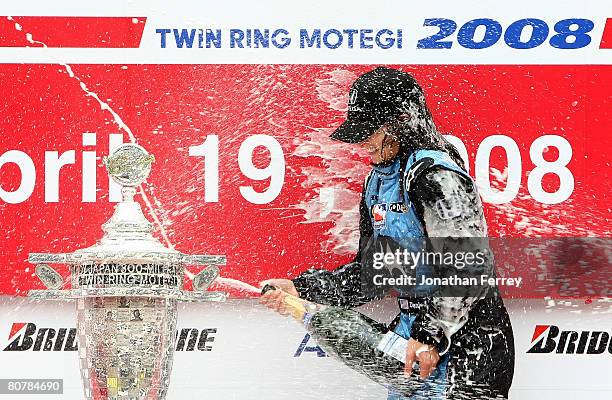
[128, 194]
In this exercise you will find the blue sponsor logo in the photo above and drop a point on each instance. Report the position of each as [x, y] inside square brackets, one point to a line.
[571, 33]
[304, 348]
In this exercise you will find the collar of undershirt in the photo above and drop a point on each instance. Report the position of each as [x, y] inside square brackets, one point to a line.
[388, 171]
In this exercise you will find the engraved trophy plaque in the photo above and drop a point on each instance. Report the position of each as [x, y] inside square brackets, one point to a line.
[126, 287]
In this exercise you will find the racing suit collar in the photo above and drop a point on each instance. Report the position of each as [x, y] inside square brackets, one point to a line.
[388, 171]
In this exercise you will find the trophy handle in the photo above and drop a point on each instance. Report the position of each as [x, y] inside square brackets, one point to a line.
[205, 278]
[49, 277]
[48, 258]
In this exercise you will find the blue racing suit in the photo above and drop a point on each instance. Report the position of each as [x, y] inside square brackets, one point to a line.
[426, 194]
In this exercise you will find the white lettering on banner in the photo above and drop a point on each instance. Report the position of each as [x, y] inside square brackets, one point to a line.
[557, 167]
[53, 165]
[28, 176]
[210, 151]
[483, 181]
[275, 171]
[514, 169]
[89, 169]
[54, 162]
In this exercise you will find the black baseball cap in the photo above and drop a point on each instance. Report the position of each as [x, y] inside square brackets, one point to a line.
[376, 97]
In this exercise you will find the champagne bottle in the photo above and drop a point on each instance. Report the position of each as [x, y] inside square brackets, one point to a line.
[356, 340]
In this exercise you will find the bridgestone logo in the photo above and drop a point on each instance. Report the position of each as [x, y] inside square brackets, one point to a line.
[27, 336]
[41, 339]
[553, 340]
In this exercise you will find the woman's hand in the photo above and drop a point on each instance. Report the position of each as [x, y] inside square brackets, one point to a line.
[426, 355]
[286, 285]
[273, 299]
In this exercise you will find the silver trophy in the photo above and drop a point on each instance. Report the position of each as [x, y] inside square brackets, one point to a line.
[126, 287]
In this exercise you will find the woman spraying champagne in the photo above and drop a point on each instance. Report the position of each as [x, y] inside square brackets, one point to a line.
[418, 190]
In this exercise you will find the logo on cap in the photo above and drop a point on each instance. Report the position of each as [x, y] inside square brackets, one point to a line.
[352, 96]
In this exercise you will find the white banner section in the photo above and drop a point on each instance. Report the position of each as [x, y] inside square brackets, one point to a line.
[239, 350]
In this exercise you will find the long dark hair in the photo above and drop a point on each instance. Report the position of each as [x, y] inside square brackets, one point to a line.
[415, 130]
